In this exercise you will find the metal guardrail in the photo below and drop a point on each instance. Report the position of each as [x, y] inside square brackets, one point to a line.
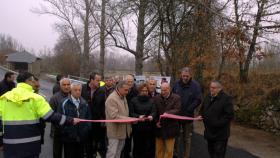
[72, 78]
[69, 76]
[77, 78]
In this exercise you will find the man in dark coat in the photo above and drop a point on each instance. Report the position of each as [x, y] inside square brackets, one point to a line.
[190, 92]
[95, 97]
[167, 129]
[217, 113]
[55, 101]
[109, 86]
[152, 84]
[132, 88]
[75, 137]
[56, 87]
[8, 83]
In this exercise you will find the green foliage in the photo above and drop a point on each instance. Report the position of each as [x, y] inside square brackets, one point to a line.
[249, 115]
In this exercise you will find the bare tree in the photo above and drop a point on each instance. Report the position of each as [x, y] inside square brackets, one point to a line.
[65, 56]
[146, 18]
[10, 44]
[174, 32]
[257, 25]
[75, 20]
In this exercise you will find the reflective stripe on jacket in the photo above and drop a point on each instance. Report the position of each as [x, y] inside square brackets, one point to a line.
[21, 110]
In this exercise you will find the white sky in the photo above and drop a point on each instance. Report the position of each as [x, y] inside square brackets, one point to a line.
[33, 31]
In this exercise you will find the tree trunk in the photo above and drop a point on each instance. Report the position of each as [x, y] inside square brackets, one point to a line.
[102, 39]
[140, 38]
[138, 65]
[221, 66]
[245, 71]
[84, 69]
[158, 60]
[223, 60]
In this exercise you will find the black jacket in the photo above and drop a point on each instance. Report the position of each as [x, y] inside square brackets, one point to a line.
[131, 94]
[6, 86]
[142, 106]
[108, 91]
[217, 113]
[190, 94]
[172, 105]
[57, 99]
[81, 131]
[96, 102]
[56, 88]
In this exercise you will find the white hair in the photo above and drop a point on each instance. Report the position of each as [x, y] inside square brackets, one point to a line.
[75, 84]
[129, 76]
[64, 79]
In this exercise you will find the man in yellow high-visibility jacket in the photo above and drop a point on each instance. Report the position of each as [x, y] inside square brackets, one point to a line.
[21, 110]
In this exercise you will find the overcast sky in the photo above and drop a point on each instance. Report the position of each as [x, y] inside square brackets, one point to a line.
[33, 31]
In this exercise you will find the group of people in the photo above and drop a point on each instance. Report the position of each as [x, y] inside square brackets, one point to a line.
[149, 137]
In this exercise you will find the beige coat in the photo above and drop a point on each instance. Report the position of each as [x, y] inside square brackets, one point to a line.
[116, 107]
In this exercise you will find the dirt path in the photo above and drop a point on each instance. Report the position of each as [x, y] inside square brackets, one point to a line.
[257, 142]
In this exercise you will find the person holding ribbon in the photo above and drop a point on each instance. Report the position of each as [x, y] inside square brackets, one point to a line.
[167, 129]
[143, 136]
[74, 138]
[191, 96]
[116, 108]
[217, 113]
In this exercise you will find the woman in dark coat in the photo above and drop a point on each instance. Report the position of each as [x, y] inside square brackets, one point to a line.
[143, 107]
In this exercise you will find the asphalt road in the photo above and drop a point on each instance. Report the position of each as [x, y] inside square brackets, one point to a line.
[198, 149]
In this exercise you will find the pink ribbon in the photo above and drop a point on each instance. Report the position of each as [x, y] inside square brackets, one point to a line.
[177, 117]
[132, 120]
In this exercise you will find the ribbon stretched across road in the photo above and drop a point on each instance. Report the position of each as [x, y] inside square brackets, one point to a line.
[132, 120]
[177, 117]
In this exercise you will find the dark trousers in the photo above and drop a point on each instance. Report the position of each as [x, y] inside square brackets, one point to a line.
[98, 141]
[143, 144]
[127, 148]
[217, 149]
[182, 147]
[57, 145]
[17, 156]
[89, 148]
[73, 150]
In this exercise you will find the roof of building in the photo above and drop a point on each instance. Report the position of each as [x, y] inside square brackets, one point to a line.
[24, 57]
